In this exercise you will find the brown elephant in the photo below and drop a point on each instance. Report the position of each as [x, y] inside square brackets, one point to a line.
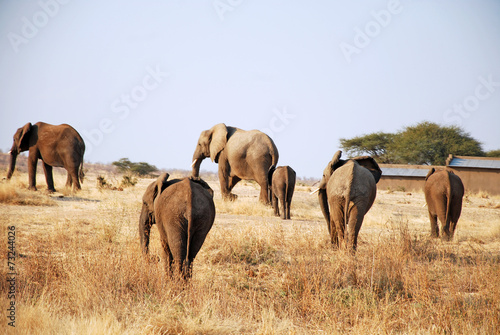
[184, 212]
[346, 193]
[240, 154]
[59, 146]
[443, 193]
[282, 181]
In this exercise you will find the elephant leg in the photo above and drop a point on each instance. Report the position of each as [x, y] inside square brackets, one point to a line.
[73, 172]
[355, 220]
[69, 181]
[224, 183]
[32, 162]
[287, 209]
[283, 207]
[434, 225]
[337, 225]
[275, 205]
[167, 256]
[264, 188]
[47, 169]
[455, 211]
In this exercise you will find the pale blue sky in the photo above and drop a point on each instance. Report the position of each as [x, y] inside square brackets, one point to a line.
[154, 74]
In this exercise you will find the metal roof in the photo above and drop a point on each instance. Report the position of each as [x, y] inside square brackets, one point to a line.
[403, 172]
[475, 163]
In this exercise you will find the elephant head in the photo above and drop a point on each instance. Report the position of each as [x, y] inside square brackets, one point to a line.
[21, 143]
[210, 144]
[147, 218]
[365, 161]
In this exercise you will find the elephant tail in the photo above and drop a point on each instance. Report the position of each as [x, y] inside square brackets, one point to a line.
[270, 172]
[81, 174]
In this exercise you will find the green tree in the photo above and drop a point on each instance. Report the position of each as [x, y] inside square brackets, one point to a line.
[141, 168]
[493, 153]
[424, 143]
[430, 143]
[374, 145]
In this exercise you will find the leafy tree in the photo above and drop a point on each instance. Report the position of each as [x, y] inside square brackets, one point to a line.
[429, 143]
[424, 143]
[141, 168]
[493, 153]
[374, 145]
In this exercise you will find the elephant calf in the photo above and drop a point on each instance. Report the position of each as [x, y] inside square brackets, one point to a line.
[282, 181]
[443, 193]
[184, 212]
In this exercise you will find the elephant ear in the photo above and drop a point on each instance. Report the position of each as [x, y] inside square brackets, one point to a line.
[333, 165]
[218, 140]
[369, 163]
[431, 171]
[24, 138]
[161, 183]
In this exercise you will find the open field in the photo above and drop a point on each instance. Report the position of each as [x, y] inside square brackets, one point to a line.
[79, 269]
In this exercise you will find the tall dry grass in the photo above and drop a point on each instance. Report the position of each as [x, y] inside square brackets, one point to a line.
[83, 274]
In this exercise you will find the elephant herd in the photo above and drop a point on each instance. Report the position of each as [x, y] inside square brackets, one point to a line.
[184, 210]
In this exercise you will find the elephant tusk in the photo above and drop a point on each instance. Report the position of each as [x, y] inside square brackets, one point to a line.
[315, 191]
[9, 152]
[194, 162]
[424, 205]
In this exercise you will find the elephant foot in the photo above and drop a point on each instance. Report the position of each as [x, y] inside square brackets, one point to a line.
[51, 190]
[230, 197]
[32, 188]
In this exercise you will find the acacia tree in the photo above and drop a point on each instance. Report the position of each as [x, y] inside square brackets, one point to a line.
[140, 168]
[374, 145]
[424, 143]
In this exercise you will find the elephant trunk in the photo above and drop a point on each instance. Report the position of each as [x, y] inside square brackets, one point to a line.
[196, 167]
[145, 222]
[12, 165]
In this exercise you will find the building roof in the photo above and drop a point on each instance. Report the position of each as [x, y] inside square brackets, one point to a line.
[473, 162]
[404, 172]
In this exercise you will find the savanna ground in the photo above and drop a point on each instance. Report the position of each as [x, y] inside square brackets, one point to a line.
[80, 271]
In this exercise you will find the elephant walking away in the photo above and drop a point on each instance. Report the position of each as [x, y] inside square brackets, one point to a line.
[443, 193]
[240, 154]
[282, 181]
[184, 211]
[59, 146]
[346, 193]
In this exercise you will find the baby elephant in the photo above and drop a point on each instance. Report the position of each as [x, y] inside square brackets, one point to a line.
[184, 211]
[282, 181]
[443, 193]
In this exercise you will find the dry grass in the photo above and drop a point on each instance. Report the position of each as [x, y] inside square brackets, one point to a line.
[17, 193]
[80, 271]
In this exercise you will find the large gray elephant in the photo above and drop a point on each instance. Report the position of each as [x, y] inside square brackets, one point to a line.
[346, 193]
[282, 180]
[184, 211]
[240, 154]
[443, 193]
[59, 146]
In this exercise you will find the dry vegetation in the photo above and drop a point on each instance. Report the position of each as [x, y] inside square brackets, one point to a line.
[80, 270]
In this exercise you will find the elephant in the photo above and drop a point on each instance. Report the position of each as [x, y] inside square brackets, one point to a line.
[443, 194]
[346, 193]
[56, 145]
[240, 154]
[184, 211]
[282, 181]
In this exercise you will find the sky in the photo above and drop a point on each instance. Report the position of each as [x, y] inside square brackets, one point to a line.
[142, 79]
